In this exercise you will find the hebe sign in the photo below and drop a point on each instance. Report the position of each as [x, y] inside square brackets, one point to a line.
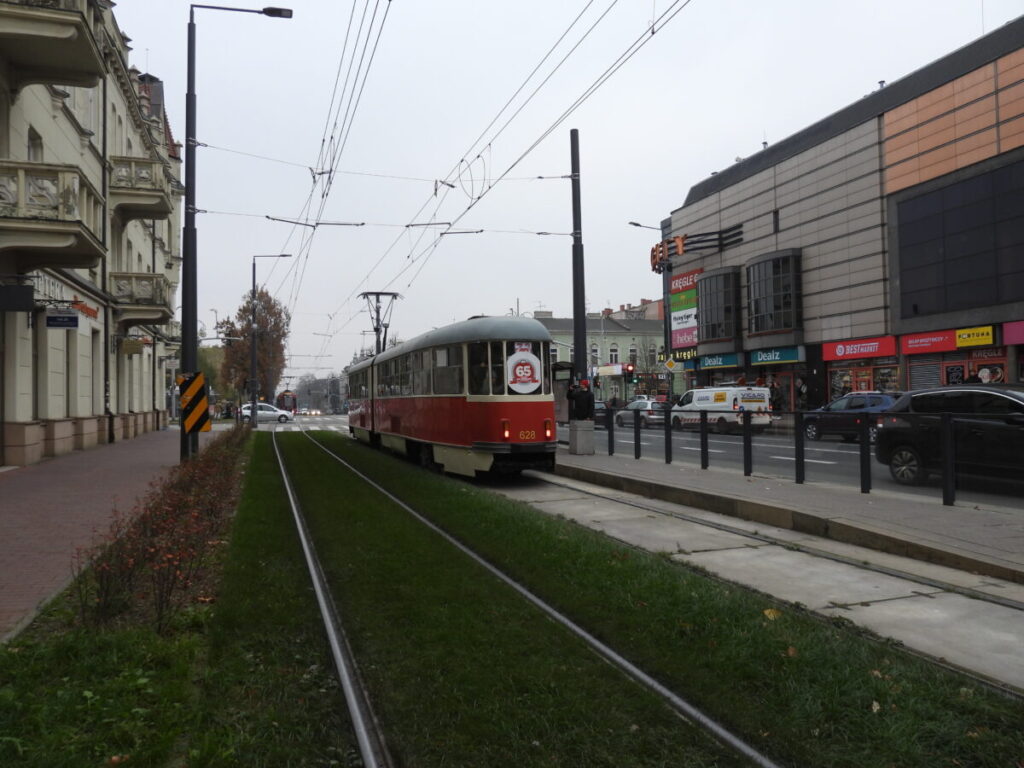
[879, 346]
[683, 288]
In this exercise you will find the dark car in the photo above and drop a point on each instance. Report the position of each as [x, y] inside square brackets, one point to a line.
[844, 415]
[600, 414]
[988, 431]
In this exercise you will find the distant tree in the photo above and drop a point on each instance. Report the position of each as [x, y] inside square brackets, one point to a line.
[211, 360]
[272, 323]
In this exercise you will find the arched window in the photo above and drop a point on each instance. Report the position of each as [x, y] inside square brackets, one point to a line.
[632, 353]
[595, 354]
[613, 354]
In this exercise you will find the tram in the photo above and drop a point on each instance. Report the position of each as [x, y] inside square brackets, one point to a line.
[474, 396]
[288, 401]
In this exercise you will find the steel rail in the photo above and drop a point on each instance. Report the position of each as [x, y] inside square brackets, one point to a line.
[372, 748]
[688, 710]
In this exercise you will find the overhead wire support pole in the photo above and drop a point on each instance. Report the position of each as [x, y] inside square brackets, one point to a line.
[379, 323]
[578, 292]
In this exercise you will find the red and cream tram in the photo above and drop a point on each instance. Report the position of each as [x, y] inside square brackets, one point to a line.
[473, 397]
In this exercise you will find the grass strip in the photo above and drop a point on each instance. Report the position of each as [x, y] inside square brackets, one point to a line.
[269, 695]
[243, 681]
[463, 671]
[806, 691]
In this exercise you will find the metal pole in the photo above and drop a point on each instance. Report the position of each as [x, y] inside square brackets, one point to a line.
[253, 411]
[189, 312]
[579, 311]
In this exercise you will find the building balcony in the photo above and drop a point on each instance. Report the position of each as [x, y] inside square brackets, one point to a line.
[139, 189]
[141, 298]
[50, 41]
[50, 216]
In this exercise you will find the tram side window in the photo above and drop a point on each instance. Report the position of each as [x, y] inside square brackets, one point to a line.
[545, 358]
[498, 368]
[448, 370]
[478, 383]
[404, 375]
[421, 373]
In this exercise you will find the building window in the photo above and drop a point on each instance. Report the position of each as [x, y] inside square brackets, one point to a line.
[718, 297]
[960, 245]
[775, 221]
[774, 293]
[652, 354]
[35, 146]
[632, 353]
[595, 354]
[553, 354]
[613, 355]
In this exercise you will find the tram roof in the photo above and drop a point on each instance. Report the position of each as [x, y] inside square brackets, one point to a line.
[481, 328]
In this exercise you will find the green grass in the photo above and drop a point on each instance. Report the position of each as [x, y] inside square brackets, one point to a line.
[245, 681]
[462, 670]
[806, 691]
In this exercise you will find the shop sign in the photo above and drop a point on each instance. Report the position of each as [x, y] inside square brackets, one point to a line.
[61, 318]
[879, 346]
[610, 370]
[934, 341]
[1013, 333]
[733, 360]
[778, 355]
[995, 353]
[981, 336]
[683, 308]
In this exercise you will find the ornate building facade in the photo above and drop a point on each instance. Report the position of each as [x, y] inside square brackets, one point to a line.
[89, 233]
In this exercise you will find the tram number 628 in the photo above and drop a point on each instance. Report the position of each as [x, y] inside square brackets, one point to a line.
[527, 434]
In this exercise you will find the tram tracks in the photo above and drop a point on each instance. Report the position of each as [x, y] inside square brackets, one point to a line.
[370, 737]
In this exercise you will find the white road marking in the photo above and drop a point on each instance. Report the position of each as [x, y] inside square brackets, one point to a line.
[806, 461]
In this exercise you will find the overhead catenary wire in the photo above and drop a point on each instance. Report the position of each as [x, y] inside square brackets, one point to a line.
[630, 51]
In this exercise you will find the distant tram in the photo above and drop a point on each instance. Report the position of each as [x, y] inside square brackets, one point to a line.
[472, 397]
[288, 401]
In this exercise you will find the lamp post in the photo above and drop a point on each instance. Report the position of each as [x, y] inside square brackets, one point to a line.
[253, 410]
[189, 270]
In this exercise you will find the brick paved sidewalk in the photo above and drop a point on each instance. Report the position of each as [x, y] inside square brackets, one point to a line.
[50, 509]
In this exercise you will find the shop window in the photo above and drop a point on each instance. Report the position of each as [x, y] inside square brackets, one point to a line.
[774, 295]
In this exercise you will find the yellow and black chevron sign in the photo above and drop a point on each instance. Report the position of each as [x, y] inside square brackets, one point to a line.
[195, 410]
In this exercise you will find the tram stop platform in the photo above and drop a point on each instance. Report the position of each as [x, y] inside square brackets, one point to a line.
[987, 540]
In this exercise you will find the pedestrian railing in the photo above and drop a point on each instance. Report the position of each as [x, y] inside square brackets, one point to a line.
[947, 445]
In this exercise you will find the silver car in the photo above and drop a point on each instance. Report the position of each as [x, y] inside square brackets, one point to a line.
[267, 412]
[650, 413]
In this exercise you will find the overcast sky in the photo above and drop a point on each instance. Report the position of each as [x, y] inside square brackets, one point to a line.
[716, 79]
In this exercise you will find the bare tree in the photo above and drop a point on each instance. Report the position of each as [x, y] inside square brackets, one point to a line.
[272, 322]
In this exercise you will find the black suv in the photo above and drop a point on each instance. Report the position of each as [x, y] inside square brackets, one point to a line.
[988, 431]
[844, 415]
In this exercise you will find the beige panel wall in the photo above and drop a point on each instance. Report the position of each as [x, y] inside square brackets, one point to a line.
[974, 117]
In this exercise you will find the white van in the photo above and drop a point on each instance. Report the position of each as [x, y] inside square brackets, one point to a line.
[725, 406]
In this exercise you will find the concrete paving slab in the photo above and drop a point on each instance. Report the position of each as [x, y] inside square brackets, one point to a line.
[661, 534]
[947, 626]
[801, 578]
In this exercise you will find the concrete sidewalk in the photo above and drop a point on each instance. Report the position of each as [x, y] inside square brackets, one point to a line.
[51, 509]
[987, 540]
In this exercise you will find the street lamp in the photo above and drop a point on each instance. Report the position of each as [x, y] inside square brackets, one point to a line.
[189, 270]
[642, 226]
[253, 410]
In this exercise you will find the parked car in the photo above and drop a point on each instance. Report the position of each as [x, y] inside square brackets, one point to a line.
[725, 406]
[267, 412]
[650, 413]
[844, 415]
[988, 431]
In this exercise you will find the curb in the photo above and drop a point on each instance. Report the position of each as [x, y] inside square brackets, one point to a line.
[796, 520]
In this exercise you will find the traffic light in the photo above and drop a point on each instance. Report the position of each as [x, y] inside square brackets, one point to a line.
[630, 371]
